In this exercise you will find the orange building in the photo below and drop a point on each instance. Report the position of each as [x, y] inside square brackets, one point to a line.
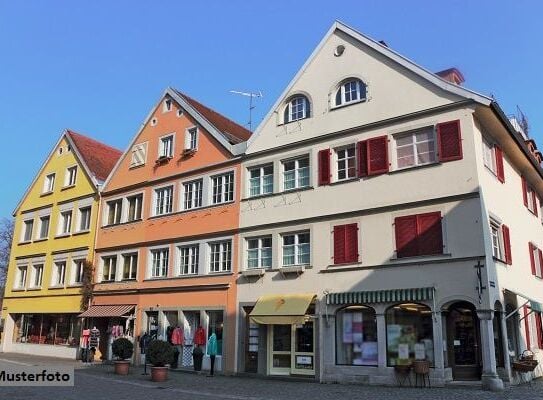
[167, 241]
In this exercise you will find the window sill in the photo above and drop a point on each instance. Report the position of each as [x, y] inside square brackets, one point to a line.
[67, 187]
[40, 240]
[46, 193]
[351, 103]
[74, 285]
[221, 273]
[18, 290]
[25, 242]
[415, 167]
[500, 261]
[254, 272]
[34, 289]
[63, 235]
[207, 207]
[289, 191]
[136, 166]
[293, 121]
[124, 223]
[81, 232]
[398, 260]
[293, 269]
[347, 265]
[55, 287]
[336, 182]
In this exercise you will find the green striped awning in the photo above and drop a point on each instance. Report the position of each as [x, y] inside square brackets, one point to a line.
[381, 296]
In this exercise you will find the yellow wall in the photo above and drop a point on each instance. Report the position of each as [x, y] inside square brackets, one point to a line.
[46, 299]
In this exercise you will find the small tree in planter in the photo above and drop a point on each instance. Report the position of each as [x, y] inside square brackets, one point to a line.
[123, 349]
[159, 354]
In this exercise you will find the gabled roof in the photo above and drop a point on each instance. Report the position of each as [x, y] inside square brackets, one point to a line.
[228, 133]
[98, 157]
[383, 49]
[233, 132]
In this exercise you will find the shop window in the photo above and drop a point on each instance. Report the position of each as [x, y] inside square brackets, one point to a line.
[51, 329]
[409, 334]
[356, 336]
[216, 324]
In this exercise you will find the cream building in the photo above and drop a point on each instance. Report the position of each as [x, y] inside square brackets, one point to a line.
[386, 217]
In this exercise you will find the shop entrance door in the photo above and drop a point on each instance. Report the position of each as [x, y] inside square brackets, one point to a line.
[291, 349]
[464, 342]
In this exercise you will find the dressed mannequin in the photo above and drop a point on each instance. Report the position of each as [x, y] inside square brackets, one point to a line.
[212, 351]
[94, 342]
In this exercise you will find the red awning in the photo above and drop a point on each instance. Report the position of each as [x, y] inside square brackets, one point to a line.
[115, 310]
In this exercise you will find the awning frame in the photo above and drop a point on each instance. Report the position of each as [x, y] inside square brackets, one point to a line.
[534, 305]
[111, 311]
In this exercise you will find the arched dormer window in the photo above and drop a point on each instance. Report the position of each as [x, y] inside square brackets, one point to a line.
[297, 108]
[350, 91]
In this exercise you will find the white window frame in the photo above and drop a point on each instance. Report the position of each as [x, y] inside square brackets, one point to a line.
[163, 260]
[489, 156]
[259, 251]
[496, 239]
[224, 189]
[80, 218]
[70, 176]
[191, 189]
[300, 108]
[39, 232]
[191, 138]
[224, 264]
[27, 231]
[78, 268]
[342, 91]
[37, 275]
[413, 145]
[165, 204]
[133, 268]
[260, 179]
[297, 245]
[112, 274]
[117, 212]
[297, 169]
[49, 183]
[138, 198]
[22, 276]
[59, 272]
[346, 159]
[532, 198]
[193, 256]
[165, 151]
[537, 263]
[65, 223]
[167, 105]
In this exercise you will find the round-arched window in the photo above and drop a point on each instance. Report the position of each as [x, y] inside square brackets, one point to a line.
[297, 108]
[409, 334]
[356, 336]
[350, 91]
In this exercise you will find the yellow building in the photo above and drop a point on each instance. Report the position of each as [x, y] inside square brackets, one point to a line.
[55, 224]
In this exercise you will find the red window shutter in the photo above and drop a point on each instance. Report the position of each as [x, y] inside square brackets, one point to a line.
[406, 236]
[351, 243]
[377, 155]
[524, 191]
[499, 164]
[507, 245]
[527, 327]
[430, 235]
[324, 167]
[339, 244]
[362, 158]
[540, 256]
[534, 199]
[449, 141]
[539, 329]
[532, 259]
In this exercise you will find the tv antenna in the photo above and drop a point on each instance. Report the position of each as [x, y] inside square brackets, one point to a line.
[251, 106]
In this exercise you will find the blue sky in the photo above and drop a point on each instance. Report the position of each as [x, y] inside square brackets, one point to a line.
[98, 67]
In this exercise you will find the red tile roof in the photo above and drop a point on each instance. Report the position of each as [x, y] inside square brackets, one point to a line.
[99, 157]
[232, 131]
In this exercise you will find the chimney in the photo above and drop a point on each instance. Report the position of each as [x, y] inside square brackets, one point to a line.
[452, 75]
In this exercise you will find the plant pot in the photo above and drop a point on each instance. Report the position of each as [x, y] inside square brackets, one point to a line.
[159, 374]
[121, 367]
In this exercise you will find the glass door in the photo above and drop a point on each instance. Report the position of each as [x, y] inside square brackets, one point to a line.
[303, 355]
[280, 349]
[464, 348]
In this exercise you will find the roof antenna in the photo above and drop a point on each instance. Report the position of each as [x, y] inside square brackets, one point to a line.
[251, 97]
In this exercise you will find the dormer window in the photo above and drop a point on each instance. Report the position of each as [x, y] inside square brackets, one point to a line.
[167, 105]
[350, 91]
[297, 108]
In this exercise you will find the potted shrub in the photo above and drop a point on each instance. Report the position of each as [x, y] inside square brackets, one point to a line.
[197, 357]
[159, 354]
[122, 349]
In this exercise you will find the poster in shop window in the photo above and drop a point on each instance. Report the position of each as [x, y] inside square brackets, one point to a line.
[357, 328]
[347, 328]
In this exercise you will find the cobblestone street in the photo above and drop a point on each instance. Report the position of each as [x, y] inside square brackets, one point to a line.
[99, 382]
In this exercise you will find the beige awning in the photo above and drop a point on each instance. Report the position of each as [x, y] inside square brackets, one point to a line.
[115, 310]
[286, 309]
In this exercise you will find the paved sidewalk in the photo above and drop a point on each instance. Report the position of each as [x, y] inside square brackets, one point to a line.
[98, 382]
